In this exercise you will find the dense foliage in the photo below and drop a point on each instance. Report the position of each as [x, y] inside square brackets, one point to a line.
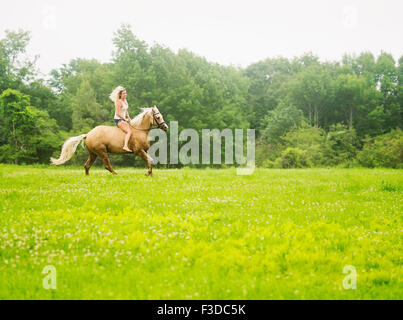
[306, 112]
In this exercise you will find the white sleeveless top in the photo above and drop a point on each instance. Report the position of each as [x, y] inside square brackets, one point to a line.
[123, 110]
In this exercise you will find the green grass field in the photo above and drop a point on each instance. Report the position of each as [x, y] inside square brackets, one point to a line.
[200, 234]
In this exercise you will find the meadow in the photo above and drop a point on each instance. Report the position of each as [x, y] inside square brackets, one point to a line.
[200, 234]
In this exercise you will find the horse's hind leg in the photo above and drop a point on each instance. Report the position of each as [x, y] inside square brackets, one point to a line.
[90, 161]
[107, 163]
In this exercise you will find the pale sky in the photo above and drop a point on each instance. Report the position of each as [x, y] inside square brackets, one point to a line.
[224, 31]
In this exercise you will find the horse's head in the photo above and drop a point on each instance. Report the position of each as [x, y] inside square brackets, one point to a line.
[157, 119]
[148, 118]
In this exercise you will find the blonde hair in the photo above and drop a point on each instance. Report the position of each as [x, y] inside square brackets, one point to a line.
[115, 95]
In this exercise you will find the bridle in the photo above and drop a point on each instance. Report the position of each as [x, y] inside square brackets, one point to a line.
[159, 125]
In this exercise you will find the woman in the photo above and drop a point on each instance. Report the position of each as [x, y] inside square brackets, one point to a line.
[121, 117]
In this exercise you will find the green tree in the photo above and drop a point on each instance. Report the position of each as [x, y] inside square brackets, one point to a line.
[383, 151]
[27, 134]
[132, 64]
[341, 145]
[349, 92]
[301, 147]
[387, 81]
[87, 113]
[281, 120]
[310, 91]
[69, 79]
[14, 69]
[267, 87]
[400, 90]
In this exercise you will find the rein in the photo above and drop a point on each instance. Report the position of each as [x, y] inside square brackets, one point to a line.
[141, 129]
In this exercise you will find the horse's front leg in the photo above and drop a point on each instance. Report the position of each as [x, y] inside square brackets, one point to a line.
[148, 160]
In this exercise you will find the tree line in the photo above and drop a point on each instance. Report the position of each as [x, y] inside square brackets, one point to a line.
[306, 112]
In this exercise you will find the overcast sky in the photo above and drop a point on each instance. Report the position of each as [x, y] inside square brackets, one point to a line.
[224, 31]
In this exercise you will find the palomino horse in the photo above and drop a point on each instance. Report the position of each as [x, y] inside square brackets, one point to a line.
[103, 139]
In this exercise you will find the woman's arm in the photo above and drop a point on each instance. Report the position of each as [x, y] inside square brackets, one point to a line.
[127, 115]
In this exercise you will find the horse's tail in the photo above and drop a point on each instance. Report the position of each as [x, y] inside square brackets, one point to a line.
[68, 149]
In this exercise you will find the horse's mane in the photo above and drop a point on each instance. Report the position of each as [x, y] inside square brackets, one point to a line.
[137, 120]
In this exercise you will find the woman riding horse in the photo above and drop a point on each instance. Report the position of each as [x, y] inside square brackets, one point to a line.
[107, 139]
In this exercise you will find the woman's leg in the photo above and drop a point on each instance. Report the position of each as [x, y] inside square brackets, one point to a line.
[125, 127]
